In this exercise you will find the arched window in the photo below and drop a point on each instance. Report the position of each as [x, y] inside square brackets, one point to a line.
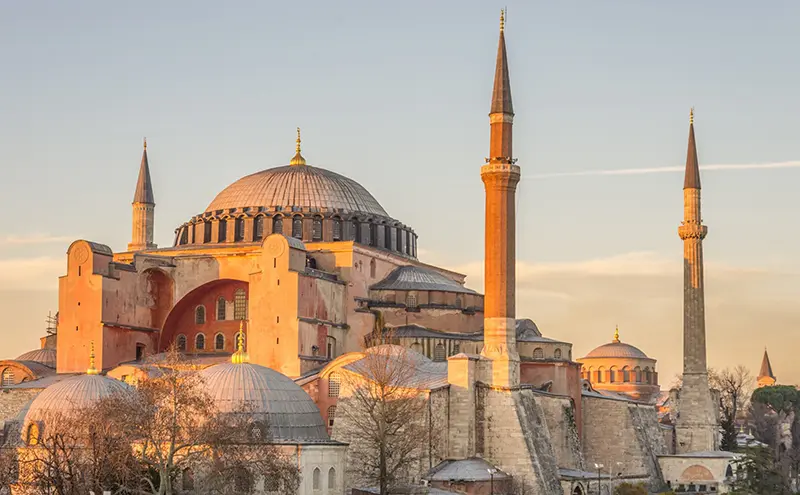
[239, 305]
[219, 342]
[207, 231]
[577, 490]
[612, 375]
[200, 315]
[316, 479]
[557, 353]
[33, 434]
[411, 300]
[538, 353]
[181, 343]
[187, 479]
[459, 301]
[337, 229]
[277, 224]
[258, 228]
[8, 377]
[601, 375]
[626, 375]
[297, 227]
[456, 348]
[647, 375]
[372, 267]
[416, 346]
[238, 229]
[331, 479]
[221, 308]
[637, 374]
[334, 380]
[242, 480]
[200, 342]
[438, 352]
[408, 242]
[331, 347]
[354, 231]
[222, 235]
[331, 415]
[185, 235]
[316, 229]
[399, 239]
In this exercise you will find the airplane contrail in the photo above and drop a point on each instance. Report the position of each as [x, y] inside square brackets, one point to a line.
[661, 170]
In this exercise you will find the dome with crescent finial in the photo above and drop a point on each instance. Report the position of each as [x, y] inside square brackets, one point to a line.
[302, 201]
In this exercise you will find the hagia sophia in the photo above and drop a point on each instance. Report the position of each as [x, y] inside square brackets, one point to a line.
[307, 271]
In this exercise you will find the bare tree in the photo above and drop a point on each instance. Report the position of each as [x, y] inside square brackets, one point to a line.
[384, 417]
[178, 434]
[8, 469]
[734, 387]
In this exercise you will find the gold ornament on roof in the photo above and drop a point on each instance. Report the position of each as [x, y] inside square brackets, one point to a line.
[144, 143]
[691, 115]
[616, 335]
[298, 158]
[240, 356]
[92, 370]
[502, 20]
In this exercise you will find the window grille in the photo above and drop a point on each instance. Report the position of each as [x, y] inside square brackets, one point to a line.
[538, 353]
[334, 382]
[223, 231]
[8, 377]
[221, 308]
[277, 224]
[439, 353]
[238, 229]
[200, 315]
[219, 342]
[337, 229]
[239, 305]
[316, 229]
[200, 342]
[297, 227]
[331, 415]
[181, 343]
[258, 228]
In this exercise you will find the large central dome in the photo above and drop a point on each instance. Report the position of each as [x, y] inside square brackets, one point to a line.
[304, 187]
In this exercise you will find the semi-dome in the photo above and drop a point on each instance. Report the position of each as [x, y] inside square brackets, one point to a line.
[298, 186]
[73, 394]
[290, 413]
[46, 357]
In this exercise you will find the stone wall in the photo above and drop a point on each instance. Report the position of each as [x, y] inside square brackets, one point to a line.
[513, 435]
[622, 435]
[12, 401]
[560, 417]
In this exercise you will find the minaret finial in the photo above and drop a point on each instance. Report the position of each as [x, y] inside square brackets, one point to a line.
[144, 143]
[691, 116]
[92, 370]
[503, 20]
[240, 356]
[298, 158]
[616, 335]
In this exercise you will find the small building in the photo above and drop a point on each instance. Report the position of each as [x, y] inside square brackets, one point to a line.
[699, 472]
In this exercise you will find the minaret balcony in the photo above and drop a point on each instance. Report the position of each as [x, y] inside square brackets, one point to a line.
[692, 231]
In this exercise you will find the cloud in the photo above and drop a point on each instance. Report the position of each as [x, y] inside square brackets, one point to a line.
[39, 273]
[662, 170]
[33, 239]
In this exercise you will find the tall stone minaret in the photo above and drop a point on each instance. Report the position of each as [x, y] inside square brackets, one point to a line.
[696, 426]
[500, 176]
[144, 206]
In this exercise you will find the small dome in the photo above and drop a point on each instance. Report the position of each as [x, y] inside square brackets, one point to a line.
[617, 350]
[291, 414]
[46, 357]
[298, 186]
[411, 277]
[73, 394]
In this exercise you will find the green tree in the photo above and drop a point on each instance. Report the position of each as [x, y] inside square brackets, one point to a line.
[631, 489]
[757, 473]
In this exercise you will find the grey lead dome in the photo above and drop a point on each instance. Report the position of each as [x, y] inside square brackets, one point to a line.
[304, 187]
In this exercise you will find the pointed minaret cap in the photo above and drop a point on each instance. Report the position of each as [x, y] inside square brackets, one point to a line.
[144, 186]
[92, 370]
[240, 357]
[616, 335]
[298, 158]
[501, 94]
[692, 179]
[766, 367]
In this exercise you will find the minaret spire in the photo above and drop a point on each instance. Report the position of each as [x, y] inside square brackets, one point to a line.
[696, 428]
[144, 205]
[500, 177]
[92, 369]
[765, 376]
[298, 158]
[240, 356]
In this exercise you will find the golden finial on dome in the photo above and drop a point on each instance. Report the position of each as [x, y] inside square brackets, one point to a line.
[616, 335]
[240, 356]
[691, 115]
[92, 370]
[502, 20]
[298, 158]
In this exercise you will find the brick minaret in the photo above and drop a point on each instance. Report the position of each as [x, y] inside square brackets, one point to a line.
[696, 426]
[500, 176]
[144, 206]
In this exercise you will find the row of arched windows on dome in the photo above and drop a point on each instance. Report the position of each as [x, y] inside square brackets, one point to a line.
[369, 233]
[624, 375]
[200, 342]
[316, 479]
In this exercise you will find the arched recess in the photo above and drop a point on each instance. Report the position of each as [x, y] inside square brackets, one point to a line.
[181, 320]
[158, 290]
[697, 473]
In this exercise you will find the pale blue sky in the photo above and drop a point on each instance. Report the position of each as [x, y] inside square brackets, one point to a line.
[395, 95]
